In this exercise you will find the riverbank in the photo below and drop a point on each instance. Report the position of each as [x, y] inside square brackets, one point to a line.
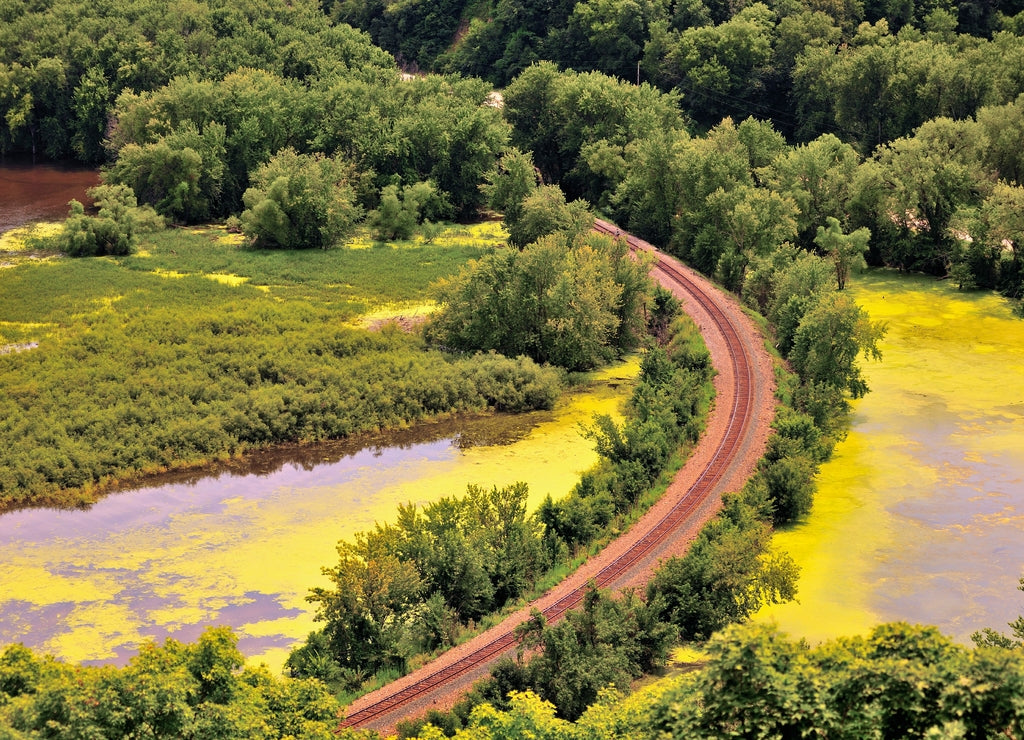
[919, 515]
[243, 547]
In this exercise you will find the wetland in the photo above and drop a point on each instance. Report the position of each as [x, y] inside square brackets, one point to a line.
[919, 515]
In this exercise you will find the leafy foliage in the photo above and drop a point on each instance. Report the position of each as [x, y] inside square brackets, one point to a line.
[726, 575]
[112, 231]
[173, 690]
[573, 301]
[300, 201]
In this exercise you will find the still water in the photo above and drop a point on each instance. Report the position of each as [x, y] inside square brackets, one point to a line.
[242, 544]
[919, 516]
[40, 192]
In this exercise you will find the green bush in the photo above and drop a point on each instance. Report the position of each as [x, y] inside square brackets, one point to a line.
[300, 201]
[112, 231]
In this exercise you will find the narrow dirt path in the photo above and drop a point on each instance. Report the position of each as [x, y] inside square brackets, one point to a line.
[724, 458]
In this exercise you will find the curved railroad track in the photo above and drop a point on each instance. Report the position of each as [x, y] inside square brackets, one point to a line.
[724, 458]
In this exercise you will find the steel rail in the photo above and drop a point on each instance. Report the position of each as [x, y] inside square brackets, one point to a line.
[740, 417]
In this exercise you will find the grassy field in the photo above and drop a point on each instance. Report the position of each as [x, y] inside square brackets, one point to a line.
[195, 348]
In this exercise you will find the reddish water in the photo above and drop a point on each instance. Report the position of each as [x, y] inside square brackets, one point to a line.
[40, 192]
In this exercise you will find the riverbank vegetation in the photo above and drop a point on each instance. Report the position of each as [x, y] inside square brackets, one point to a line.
[194, 349]
[758, 144]
[414, 585]
[729, 571]
[900, 681]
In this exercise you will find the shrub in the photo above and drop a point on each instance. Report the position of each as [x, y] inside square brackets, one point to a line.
[300, 201]
[112, 231]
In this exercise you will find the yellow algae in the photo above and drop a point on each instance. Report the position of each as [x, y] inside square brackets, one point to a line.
[35, 584]
[232, 280]
[229, 555]
[16, 240]
[920, 513]
[94, 631]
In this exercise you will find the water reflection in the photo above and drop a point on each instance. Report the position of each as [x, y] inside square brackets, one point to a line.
[40, 192]
[919, 516]
[241, 543]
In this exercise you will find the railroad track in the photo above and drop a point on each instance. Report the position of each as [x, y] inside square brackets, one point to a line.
[379, 710]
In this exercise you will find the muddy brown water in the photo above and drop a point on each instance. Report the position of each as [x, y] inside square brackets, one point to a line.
[40, 192]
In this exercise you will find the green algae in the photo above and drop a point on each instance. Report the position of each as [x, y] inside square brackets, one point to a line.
[919, 514]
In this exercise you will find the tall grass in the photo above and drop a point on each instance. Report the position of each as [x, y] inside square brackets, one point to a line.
[196, 349]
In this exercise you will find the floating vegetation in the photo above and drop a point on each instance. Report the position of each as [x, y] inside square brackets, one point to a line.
[919, 514]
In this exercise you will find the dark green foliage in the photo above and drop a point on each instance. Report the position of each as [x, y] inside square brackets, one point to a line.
[244, 118]
[180, 175]
[727, 574]
[437, 129]
[64, 63]
[415, 32]
[573, 301]
[173, 690]
[299, 202]
[501, 44]
[571, 122]
[544, 211]
[513, 179]
[607, 642]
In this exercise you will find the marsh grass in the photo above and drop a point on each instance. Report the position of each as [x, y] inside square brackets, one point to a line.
[197, 348]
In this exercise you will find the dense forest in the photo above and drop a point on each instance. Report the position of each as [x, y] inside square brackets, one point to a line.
[900, 118]
[775, 147]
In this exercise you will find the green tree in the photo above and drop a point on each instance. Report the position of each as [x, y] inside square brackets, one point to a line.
[606, 35]
[544, 211]
[508, 185]
[846, 251]
[562, 116]
[720, 70]
[727, 574]
[828, 340]
[559, 300]
[817, 176]
[300, 201]
[180, 174]
[365, 607]
[608, 642]
[397, 218]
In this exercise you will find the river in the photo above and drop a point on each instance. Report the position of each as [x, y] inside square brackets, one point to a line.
[241, 544]
[40, 192]
[919, 516]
